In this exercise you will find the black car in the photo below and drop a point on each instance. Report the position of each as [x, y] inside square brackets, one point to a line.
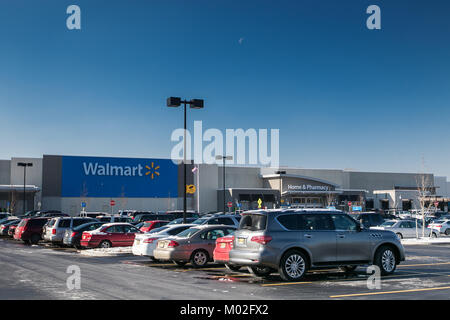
[72, 237]
[152, 216]
[370, 219]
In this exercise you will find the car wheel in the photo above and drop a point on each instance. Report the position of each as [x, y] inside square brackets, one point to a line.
[199, 258]
[293, 266]
[105, 244]
[399, 235]
[35, 239]
[447, 232]
[260, 271]
[179, 263]
[386, 260]
[348, 269]
[26, 241]
[232, 268]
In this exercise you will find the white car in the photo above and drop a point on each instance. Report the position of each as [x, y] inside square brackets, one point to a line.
[145, 243]
[406, 229]
[441, 226]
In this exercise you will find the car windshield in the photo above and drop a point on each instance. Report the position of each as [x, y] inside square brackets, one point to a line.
[158, 229]
[188, 232]
[200, 221]
[253, 222]
[388, 223]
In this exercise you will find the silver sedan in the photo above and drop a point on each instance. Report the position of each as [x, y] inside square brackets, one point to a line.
[406, 228]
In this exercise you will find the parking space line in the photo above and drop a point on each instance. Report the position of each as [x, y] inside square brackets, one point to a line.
[422, 264]
[284, 283]
[388, 292]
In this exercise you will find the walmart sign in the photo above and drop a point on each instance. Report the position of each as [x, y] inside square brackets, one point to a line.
[118, 177]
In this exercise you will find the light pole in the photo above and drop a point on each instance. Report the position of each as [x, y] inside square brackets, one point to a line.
[193, 104]
[24, 165]
[281, 189]
[224, 158]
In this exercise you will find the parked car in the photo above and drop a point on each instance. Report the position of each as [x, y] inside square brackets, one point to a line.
[92, 214]
[405, 228]
[145, 244]
[293, 241]
[180, 221]
[54, 214]
[149, 225]
[369, 219]
[55, 229]
[110, 235]
[441, 226]
[4, 227]
[176, 214]
[29, 230]
[72, 237]
[224, 219]
[113, 219]
[142, 217]
[222, 250]
[195, 245]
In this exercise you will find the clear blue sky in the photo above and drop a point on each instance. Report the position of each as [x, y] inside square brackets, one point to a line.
[342, 96]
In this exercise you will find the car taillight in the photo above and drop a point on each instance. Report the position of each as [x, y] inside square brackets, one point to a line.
[438, 226]
[53, 231]
[173, 244]
[149, 240]
[261, 239]
[73, 234]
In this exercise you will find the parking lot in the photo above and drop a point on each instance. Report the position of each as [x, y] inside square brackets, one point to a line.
[40, 272]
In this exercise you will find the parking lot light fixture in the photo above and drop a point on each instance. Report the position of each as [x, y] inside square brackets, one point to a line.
[174, 102]
[224, 158]
[280, 172]
[24, 165]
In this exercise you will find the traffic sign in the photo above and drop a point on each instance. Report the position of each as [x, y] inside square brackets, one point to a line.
[349, 203]
[436, 204]
[229, 204]
[239, 204]
[190, 188]
[83, 204]
[259, 203]
[112, 203]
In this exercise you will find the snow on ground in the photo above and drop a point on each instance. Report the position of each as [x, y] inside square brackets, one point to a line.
[102, 252]
[425, 240]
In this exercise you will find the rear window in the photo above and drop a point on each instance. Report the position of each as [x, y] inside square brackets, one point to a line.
[51, 223]
[253, 222]
[158, 229]
[188, 233]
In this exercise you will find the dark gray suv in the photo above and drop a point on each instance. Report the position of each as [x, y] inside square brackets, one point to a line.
[294, 240]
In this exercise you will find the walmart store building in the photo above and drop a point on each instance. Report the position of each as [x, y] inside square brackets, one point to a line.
[63, 183]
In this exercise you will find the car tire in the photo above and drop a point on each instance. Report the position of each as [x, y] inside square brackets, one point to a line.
[348, 269]
[399, 235]
[232, 268]
[293, 266]
[259, 271]
[105, 244]
[27, 242]
[199, 258]
[386, 260]
[447, 232]
[179, 263]
[35, 239]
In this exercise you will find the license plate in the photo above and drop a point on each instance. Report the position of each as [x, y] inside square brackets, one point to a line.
[137, 241]
[241, 240]
[161, 245]
[223, 245]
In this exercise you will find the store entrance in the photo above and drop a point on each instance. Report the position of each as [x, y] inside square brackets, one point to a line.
[308, 202]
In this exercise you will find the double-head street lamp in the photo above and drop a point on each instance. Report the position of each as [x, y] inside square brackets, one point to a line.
[224, 158]
[281, 189]
[193, 104]
[24, 165]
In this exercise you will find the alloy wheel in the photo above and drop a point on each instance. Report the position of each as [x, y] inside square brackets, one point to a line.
[388, 260]
[295, 266]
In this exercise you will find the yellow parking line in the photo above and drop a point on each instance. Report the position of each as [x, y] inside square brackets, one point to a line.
[422, 264]
[283, 283]
[388, 292]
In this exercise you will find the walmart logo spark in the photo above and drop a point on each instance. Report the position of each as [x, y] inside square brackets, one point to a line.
[152, 171]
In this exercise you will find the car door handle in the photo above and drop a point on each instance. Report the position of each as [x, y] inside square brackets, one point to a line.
[341, 236]
[308, 236]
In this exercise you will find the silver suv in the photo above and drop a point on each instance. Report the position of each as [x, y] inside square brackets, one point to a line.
[55, 228]
[292, 241]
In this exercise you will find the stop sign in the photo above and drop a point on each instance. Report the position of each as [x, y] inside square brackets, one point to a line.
[112, 203]
[230, 204]
[349, 203]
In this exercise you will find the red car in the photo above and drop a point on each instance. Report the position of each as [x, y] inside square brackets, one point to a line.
[30, 230]
[222, 250]
[110, 235]
[150, 225]
[12, 230]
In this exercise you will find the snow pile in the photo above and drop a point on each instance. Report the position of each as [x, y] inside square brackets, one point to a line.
[425, 240]
[102, 252]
